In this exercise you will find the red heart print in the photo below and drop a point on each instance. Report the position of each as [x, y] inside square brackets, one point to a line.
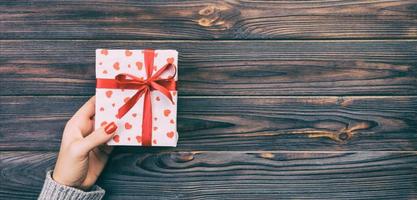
[109, 93]
[154, 141]
[128, 65]
[139, 65]
[101, 109]
[167, 112]
[104, 71]
[116, 138]
[116, 65]
[104, 52]
[134, 114]
[156, 118]
[170, 60]
[155, 128]
[139, 139]
[103, 123]
[158, 99]
[128, 53]
[113, 104]
[128, 139]
[170, 134]
[100, 63]
[128, 126]
[172, 121]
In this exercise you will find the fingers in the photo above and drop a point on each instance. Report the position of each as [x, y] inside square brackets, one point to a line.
[84, 117]
[87, 111]
[98, 137]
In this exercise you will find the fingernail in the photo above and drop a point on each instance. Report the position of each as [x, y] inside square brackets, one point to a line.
[110, 128]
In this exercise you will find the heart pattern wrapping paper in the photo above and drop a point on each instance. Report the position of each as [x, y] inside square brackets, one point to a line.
[111, 63]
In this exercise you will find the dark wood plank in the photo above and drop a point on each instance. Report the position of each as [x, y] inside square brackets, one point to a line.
[258, 123]
[230, 175]
[224, 67]
[208, 19]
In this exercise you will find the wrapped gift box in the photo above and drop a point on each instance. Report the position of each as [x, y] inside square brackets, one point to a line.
[137, 90]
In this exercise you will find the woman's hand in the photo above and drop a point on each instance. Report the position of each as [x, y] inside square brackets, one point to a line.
[83, 153]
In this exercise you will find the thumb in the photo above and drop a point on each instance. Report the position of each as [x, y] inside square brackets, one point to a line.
[98, 137]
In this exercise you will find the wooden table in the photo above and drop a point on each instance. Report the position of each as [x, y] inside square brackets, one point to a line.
[278, 100]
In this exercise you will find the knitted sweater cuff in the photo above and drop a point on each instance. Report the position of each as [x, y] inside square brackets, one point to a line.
[53, 190]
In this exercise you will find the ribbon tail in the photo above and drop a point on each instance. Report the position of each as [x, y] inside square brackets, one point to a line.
[129, 104]
[147, 120]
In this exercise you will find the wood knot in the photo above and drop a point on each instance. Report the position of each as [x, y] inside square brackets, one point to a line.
[183, 156]
[267, 155]
[352, 129]
[343, 136]
[205, 22]
[207, 11]
[219, 16]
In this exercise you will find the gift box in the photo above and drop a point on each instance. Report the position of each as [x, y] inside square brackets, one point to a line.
[137, 90]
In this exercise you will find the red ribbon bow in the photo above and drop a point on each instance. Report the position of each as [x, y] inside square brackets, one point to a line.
[144, 88]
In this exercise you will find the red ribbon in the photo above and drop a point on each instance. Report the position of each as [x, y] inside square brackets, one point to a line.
[144, 88]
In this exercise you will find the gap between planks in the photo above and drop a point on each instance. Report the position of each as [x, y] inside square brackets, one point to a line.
[159, 150]
[224, 40]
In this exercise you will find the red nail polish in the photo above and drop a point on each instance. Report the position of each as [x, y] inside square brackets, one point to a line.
[110, 128]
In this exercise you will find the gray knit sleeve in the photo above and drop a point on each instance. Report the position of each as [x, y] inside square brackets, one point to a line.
[54, 190]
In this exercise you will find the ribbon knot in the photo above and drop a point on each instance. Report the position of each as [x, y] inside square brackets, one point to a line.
[144, 88]
[128, 81]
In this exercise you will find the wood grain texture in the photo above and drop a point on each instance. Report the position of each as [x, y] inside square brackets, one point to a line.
[278, 99]
[208, 19]
[230, 175]
[224, 67]
[291, 123]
